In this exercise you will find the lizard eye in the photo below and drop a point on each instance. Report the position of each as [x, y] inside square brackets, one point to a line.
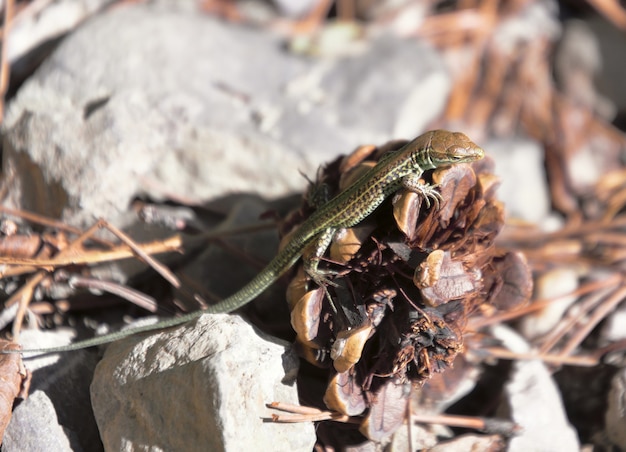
[467, 153]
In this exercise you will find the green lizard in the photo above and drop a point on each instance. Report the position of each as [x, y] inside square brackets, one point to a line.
[395, 170]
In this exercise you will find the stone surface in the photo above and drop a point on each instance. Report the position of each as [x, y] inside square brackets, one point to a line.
[149, 100]
[519, 163]
[534, 403]
[420, 437]
[577, 65]
[554, 283]
[35, 427]
[294, 8]
[222, 272]
[157, 100]
[200, 386]
[611, 44]
[471, 442]
[57, 414]
[613, 328]
[615, 417]
[42, 24]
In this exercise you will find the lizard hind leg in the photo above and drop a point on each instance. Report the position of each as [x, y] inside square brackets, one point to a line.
[428, 191]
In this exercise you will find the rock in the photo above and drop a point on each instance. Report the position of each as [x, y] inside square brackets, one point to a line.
[613, 328]
[101, 127]
[201, 386]
[538, 21]
[420, 437]
[200, 109]
[615, 417]
[553, 283]
[158, 101]
[470, 442]
[577, 64]
[57, 414]
[35, 427]
[534, 403]
[294, 8]
[222, 272]
[519, 164]
[612, 44]
[33, 31]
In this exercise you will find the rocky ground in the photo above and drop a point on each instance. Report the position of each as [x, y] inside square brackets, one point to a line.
[212, 123]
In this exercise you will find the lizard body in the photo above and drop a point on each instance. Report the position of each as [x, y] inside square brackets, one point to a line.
[395, 170]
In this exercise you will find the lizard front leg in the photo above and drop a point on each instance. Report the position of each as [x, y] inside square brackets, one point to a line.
[311, 257]
[314, 253]
[414, 183]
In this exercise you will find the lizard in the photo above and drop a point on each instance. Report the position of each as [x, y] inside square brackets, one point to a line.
[395, 170]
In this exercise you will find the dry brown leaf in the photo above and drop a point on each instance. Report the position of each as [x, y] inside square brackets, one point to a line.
[455, 182]
[345, 395]
[20, 245]
[442, 279]
[13, 380]
[510, 283]
[387, 412]
[306, 315]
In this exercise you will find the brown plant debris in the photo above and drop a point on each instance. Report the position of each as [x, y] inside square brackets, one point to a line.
[401, 288]
[14, 383]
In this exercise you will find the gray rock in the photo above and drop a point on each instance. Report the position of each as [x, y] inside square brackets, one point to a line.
[613, 328]
[222, 272]
[615, 416]
[519, 164]
[157, 100]
[470, 442]
[537, 407]
[577, 65]
[294, 8]
[420, 437]
[534, 403]
[537, 21]
[103, 121]
[554, 283]
[57, 414]
[612, 72]
[35, 427]
[33, 29]
[201, 386]
[147, 100]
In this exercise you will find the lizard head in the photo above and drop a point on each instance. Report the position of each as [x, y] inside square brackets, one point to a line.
[447, 148]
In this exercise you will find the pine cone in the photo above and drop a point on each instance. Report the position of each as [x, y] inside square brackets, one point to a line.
[401, 286]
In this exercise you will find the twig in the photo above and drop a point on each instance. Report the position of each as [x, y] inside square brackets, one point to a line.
[152, 262]
[612, 11]
[44, 221]
[599, 314]
[501, 353]
[27, 265]
[4, 62]
[575, 316]
[345, 10]
[24, 294]
[496, 426]
[308, 414]
[134, 296]
[537, 305]
[296, 409]
[614, 347]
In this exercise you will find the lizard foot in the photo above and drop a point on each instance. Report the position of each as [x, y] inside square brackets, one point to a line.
[428, 191]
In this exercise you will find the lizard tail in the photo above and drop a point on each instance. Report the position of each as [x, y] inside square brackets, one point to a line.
[247, 293]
